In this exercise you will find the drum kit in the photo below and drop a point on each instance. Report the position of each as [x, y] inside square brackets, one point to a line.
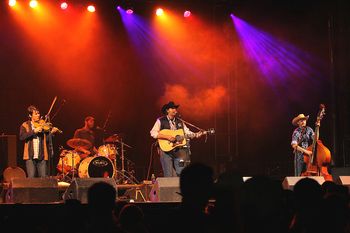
[73, 163]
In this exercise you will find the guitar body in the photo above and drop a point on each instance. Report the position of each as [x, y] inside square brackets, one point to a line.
[166, 145]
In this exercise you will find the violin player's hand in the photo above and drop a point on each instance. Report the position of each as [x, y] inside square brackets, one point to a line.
[38, 129]
[54, 130]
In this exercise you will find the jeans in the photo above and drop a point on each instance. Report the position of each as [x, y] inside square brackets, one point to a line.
[174, 162]
[39, 166]
[299, 165]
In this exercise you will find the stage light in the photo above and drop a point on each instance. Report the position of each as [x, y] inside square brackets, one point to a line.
[129, 11]
[33, 3]
[119, 8]
[91, 8]
[159, 12]
[64, 5]
[12, 3]
[187, 14]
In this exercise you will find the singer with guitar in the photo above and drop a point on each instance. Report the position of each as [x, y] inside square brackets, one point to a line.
[302, 138]
[172, 135]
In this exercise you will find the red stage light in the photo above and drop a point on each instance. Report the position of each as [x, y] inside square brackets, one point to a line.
[64, 5]
[187, 14]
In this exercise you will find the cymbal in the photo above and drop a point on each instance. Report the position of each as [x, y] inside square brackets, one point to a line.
[79, 142]
[112, 138]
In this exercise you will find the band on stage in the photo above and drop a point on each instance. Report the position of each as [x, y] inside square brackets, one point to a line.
[93, 153]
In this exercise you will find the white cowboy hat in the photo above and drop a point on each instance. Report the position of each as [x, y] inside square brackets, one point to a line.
[299, 117]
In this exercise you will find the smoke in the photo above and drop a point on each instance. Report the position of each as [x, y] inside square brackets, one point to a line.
[196, 104]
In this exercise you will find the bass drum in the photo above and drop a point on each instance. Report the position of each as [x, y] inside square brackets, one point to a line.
[98, 166]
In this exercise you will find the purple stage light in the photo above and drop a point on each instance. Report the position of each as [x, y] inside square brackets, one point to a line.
[129, 11]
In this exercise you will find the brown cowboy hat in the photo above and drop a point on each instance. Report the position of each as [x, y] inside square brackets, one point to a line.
[298, 118]
[171, 104]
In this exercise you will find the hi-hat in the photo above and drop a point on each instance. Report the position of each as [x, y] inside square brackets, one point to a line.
[79, 142]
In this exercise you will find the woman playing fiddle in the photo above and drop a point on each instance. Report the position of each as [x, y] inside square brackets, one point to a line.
[34, 133]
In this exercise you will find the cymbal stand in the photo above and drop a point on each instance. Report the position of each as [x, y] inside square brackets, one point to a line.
[125, 176]
[63, 175]
[71, 171]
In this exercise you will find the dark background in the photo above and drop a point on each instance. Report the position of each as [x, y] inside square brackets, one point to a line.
[100, 71]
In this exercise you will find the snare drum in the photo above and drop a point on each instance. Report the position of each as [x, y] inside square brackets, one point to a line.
[108, 150]
[98, 166]
[68, 160]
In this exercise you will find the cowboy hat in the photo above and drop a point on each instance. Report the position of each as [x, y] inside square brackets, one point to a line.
[298, 118]
[171, 104]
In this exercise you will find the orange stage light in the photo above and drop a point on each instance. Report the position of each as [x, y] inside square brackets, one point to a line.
[12, 3]
[91, 8]
[159, 12]
[33, 3]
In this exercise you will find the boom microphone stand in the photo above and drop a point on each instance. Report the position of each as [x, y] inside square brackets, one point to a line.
[50, 143]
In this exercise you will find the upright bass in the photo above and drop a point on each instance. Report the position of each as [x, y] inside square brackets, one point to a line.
[316, 164]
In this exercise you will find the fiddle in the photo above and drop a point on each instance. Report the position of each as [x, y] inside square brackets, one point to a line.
[45, 126]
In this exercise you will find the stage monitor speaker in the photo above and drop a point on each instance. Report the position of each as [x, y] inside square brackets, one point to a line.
[245, 178]
[290, 181]
[8, 152]
[344, 180]
[79, 187]
[32, 190]
[166, 189]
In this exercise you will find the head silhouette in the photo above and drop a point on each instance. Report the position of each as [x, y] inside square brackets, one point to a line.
[196, 184]
[101, 197]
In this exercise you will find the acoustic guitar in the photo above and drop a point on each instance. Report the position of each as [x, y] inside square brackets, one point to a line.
[180, 138]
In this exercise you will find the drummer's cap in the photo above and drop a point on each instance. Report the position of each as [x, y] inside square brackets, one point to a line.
[89, 118]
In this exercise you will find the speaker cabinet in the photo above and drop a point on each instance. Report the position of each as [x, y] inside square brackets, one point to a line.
[32, 190]
[8, 152]
[79, 187]
[166, 189]
[344, 180]
[290, 181]
[245, 178]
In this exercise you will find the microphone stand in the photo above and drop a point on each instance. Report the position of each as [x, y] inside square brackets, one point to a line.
[188, 123]
[196, 127]
[50, 142]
